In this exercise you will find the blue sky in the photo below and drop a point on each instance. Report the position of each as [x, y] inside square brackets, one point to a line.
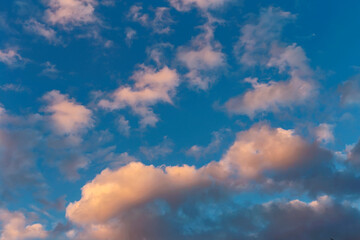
[179, 119]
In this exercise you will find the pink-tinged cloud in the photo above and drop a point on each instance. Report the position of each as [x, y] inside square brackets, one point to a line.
[71, 12]
[67, 116]
[274, 95]
[115, 195]
[16, 227]
[150, 88]
[203, 58]
[11, 57]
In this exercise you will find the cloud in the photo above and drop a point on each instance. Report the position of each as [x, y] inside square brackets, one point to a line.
[161, 150]
[49, 70]
[151, 87]
[16, 227]
[350, 91]
[123, 126]
[320, 219]
[12, 87]
[260, 158]
[186, 5]
[11, 58]
[159, 23]
[201, 151]
[17, 160]
[67, 116]
[18, 166]
[273, 95]
[256, 38]
[69, 13]
[324, 133]
[111, 193]
[353, 155]
[202, 58]
[263, 149]
[130, 34]
[41, 29]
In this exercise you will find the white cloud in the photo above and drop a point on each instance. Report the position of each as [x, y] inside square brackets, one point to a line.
[324, 133]
[202, 58]
[16, 227]
[256, 39]
[115, 196]
[114, 192]
[11, 57]
[68, 117]
[151, 87]
[42, 30]
[262, 148]
[260, 46]
[71, 12]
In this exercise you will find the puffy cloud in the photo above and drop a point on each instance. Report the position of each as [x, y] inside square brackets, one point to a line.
[256, 39]
[273, 95]
[262, 149]
[41, 29]
[203, 58]
[159, 22]
[71, 12]
[113, 192]
[319, 219]
[151, 87]
[260, 45]
[16, 227]
[158, 198]
[350, 91]
[67, 116]
[324, 133]
[11, 57]
[186, 5]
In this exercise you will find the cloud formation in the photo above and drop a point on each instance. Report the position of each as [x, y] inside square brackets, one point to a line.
[11, 57]
[16, 227]
[151, 86]
[324, 133]
[70, 13]
[259, 157]
[159, 23]
[68, 117]
[260, 46]
[350, 91]
[42, 30]
[203, 58]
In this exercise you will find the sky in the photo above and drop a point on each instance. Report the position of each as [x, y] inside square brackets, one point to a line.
[179, 119]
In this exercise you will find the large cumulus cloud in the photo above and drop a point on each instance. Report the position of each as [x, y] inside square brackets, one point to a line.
[162, 200]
